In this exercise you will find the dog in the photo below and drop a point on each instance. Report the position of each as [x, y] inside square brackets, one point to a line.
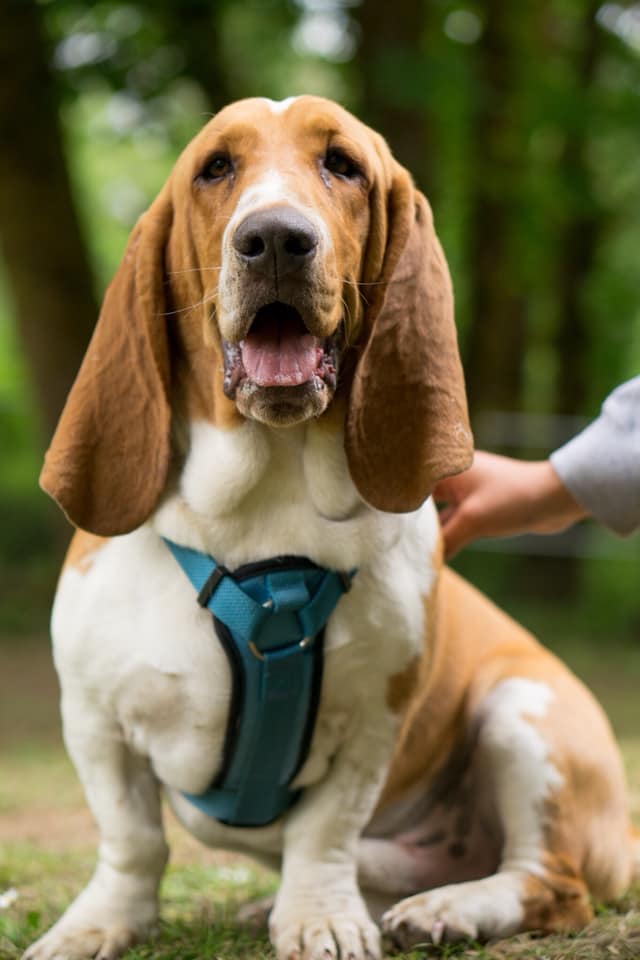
[275, 374]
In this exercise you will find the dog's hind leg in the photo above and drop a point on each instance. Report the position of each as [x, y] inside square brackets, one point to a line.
[535, 789]
[119, 905]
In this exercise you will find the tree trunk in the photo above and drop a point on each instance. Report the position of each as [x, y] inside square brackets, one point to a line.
[47, 265]
[395, 90]
[580, 236]
[496, 338]
[195, 26]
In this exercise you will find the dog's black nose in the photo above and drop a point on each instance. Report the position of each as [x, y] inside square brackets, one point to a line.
[279, 240]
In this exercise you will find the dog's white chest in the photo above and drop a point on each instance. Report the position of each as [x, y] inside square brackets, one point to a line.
[251, 493]
[130, 630]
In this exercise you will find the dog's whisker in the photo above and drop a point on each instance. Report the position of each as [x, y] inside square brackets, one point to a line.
[348, 321]
[193, 306]
[171, 273]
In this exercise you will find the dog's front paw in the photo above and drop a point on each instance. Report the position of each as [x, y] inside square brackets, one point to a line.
[475, 910]
[82, 943]
[426, 919]
[325, 935]
[111, 914]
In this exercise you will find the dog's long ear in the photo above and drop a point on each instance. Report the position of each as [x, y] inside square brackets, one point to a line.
[407, 422]
[108, 460]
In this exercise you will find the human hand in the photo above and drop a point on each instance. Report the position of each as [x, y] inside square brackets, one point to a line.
[499, 497]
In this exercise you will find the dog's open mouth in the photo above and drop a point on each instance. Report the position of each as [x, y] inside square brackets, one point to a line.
[278, 351]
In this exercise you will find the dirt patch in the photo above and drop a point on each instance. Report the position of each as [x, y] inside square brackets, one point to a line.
[51, 831]
[29, 693]
[73, 830]
[615, 937]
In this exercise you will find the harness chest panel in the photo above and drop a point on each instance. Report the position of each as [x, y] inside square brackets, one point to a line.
[270, 618]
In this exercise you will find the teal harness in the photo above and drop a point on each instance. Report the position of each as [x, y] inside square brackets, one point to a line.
[270, 619]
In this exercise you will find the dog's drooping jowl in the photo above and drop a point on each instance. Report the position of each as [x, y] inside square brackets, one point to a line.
[271, 392]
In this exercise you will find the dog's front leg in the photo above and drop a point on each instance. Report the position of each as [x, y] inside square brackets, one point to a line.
[319, 913]
[119, 905]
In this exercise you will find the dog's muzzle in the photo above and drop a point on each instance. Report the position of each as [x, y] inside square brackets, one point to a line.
[279, 371]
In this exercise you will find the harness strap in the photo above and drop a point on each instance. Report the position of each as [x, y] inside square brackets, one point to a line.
[270, 618]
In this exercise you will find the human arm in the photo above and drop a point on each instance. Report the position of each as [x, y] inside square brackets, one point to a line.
[601, 466]
[500, 497]
[597, 473]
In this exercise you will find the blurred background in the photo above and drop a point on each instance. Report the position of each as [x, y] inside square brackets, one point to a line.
[521, 122]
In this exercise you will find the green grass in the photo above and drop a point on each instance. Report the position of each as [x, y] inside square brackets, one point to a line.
[198, 905]
[200, 900]
[47, 844]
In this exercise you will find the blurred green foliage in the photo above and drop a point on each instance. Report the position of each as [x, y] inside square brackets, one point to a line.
[136, 79]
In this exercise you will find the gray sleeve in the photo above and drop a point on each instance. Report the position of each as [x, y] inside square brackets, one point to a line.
[601, 466]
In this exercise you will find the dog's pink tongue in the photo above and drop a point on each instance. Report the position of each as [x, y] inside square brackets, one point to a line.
[277, 352]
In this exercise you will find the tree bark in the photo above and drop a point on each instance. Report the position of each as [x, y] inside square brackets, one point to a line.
[47, 264]
[496, 339]
[394, 89]
[581, 234]
[195, 26]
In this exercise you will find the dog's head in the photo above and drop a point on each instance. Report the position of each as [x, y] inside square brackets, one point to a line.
[287, 258]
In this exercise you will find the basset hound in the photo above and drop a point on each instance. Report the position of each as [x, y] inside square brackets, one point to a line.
[275, 373]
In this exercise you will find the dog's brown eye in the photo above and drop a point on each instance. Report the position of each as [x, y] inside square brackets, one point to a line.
[340, 164]
[216, 167]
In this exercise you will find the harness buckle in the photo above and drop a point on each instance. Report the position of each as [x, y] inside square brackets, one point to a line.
[254, 650]
[209, 586]
[302, 645]
[346, 579]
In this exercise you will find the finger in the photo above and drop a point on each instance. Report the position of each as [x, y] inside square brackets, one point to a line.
[445, 491]
[456, 488]
[446, 487]
[445, 514]
[457, 531]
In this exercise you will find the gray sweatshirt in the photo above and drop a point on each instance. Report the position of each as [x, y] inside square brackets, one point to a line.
[601, 466]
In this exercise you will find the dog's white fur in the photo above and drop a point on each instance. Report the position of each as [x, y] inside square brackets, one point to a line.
[146, 690]
[147, 697]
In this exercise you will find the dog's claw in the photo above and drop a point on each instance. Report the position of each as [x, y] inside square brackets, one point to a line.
[437, 931]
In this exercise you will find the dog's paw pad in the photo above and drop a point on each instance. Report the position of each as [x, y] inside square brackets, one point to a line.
[328, 938]
[81, 944]
[427, 918]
